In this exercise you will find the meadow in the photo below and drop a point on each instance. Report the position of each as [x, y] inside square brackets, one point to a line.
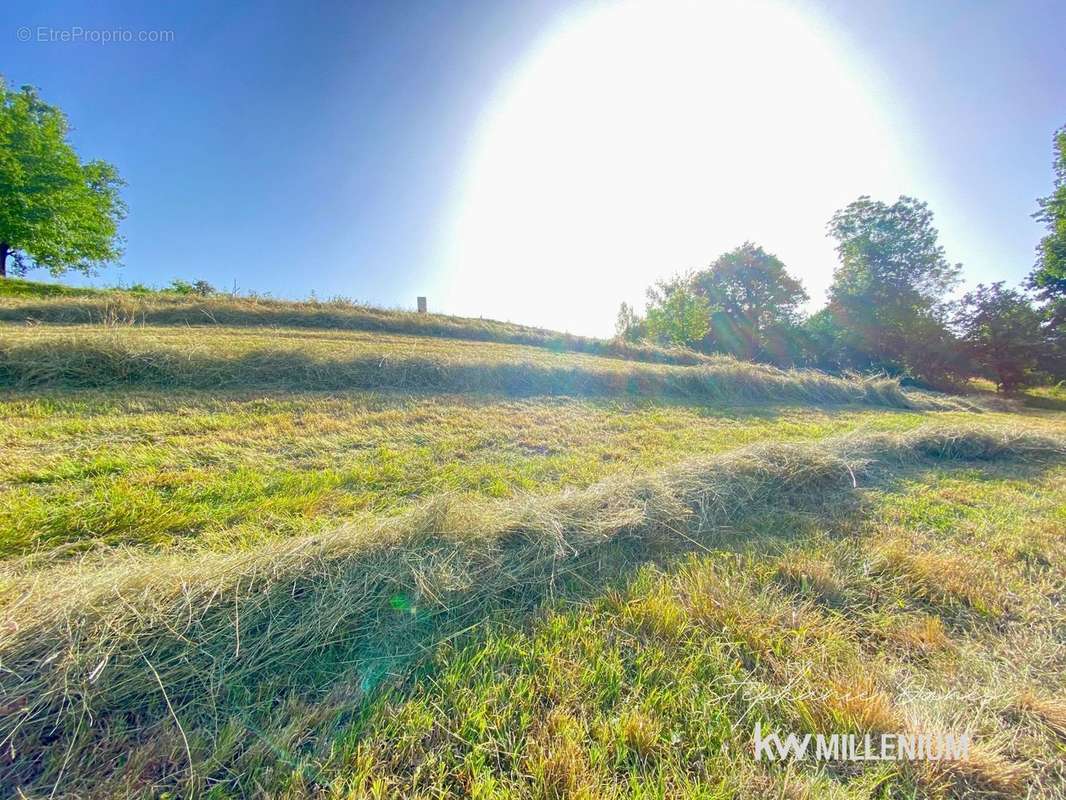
[253, 556]
[22, 301]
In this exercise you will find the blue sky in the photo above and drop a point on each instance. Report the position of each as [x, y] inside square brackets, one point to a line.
[374, 149]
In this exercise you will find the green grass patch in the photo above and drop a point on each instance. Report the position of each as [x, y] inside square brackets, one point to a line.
[224, 470]
[359, 662]
[17, 288]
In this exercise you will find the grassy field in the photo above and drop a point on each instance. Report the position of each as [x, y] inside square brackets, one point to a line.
[214, 470]
[27, 301]
[233, 565]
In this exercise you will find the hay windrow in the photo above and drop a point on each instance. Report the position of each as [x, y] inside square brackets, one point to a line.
[89, 644]
[136, 358]
[256, 312]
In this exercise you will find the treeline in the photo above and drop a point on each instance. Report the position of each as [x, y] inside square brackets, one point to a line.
[890, 305]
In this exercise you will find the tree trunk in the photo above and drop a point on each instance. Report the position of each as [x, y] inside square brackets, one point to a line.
[4, 249]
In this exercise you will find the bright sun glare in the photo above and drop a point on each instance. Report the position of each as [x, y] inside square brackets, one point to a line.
[644, 138]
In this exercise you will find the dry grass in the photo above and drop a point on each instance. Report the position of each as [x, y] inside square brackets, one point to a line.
[292, 360]
[984, 773]
[920, 634]
[1049, 710]
[943, 577]
[557, 760]
[806, 574]
[167, 310]
[228, 470]
[136, 644]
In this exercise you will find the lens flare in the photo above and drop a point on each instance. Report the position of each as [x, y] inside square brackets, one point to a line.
[640, 139]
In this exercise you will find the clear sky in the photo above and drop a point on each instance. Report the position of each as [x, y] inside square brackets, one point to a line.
[543, 161]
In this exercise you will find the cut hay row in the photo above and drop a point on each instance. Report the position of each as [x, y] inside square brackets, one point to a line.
[131, 358]
[175, 310]
[99, 653]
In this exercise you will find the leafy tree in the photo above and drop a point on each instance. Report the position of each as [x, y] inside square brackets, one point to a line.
[201, 287]
[676, 314]
[55, 211]
[1048, 278]
[753, 302]
[1001, 330]
[629, 326]
[1051, 359]
[888, 291]
[821, 341]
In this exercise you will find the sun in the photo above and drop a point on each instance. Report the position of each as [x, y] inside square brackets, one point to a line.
[643, 138]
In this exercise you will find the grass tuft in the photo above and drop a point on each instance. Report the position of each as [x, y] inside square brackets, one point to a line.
[1051, 711]
[809, 575]
[984, 773]
[919, 634]
[943, 578]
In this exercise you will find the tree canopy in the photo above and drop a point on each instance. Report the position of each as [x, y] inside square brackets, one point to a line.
[891, 283]
[1048, 277]
[1001, 330]
[56, 212]
[676, 314]
[751, 297]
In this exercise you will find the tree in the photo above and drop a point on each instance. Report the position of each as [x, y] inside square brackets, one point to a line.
[200, 287]
[821, 341]
[753, 300]
[1001, 330]
[676, 314]
[888, 291]
[628, 325]
[1048, 278]
[55, 211]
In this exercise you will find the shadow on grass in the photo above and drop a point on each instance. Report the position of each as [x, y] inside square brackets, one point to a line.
[242, 641]
[1044, 402]
[110, 400]
[126, 362]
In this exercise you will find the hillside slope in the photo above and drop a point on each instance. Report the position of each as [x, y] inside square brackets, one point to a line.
[238, 560]
[27, 301]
